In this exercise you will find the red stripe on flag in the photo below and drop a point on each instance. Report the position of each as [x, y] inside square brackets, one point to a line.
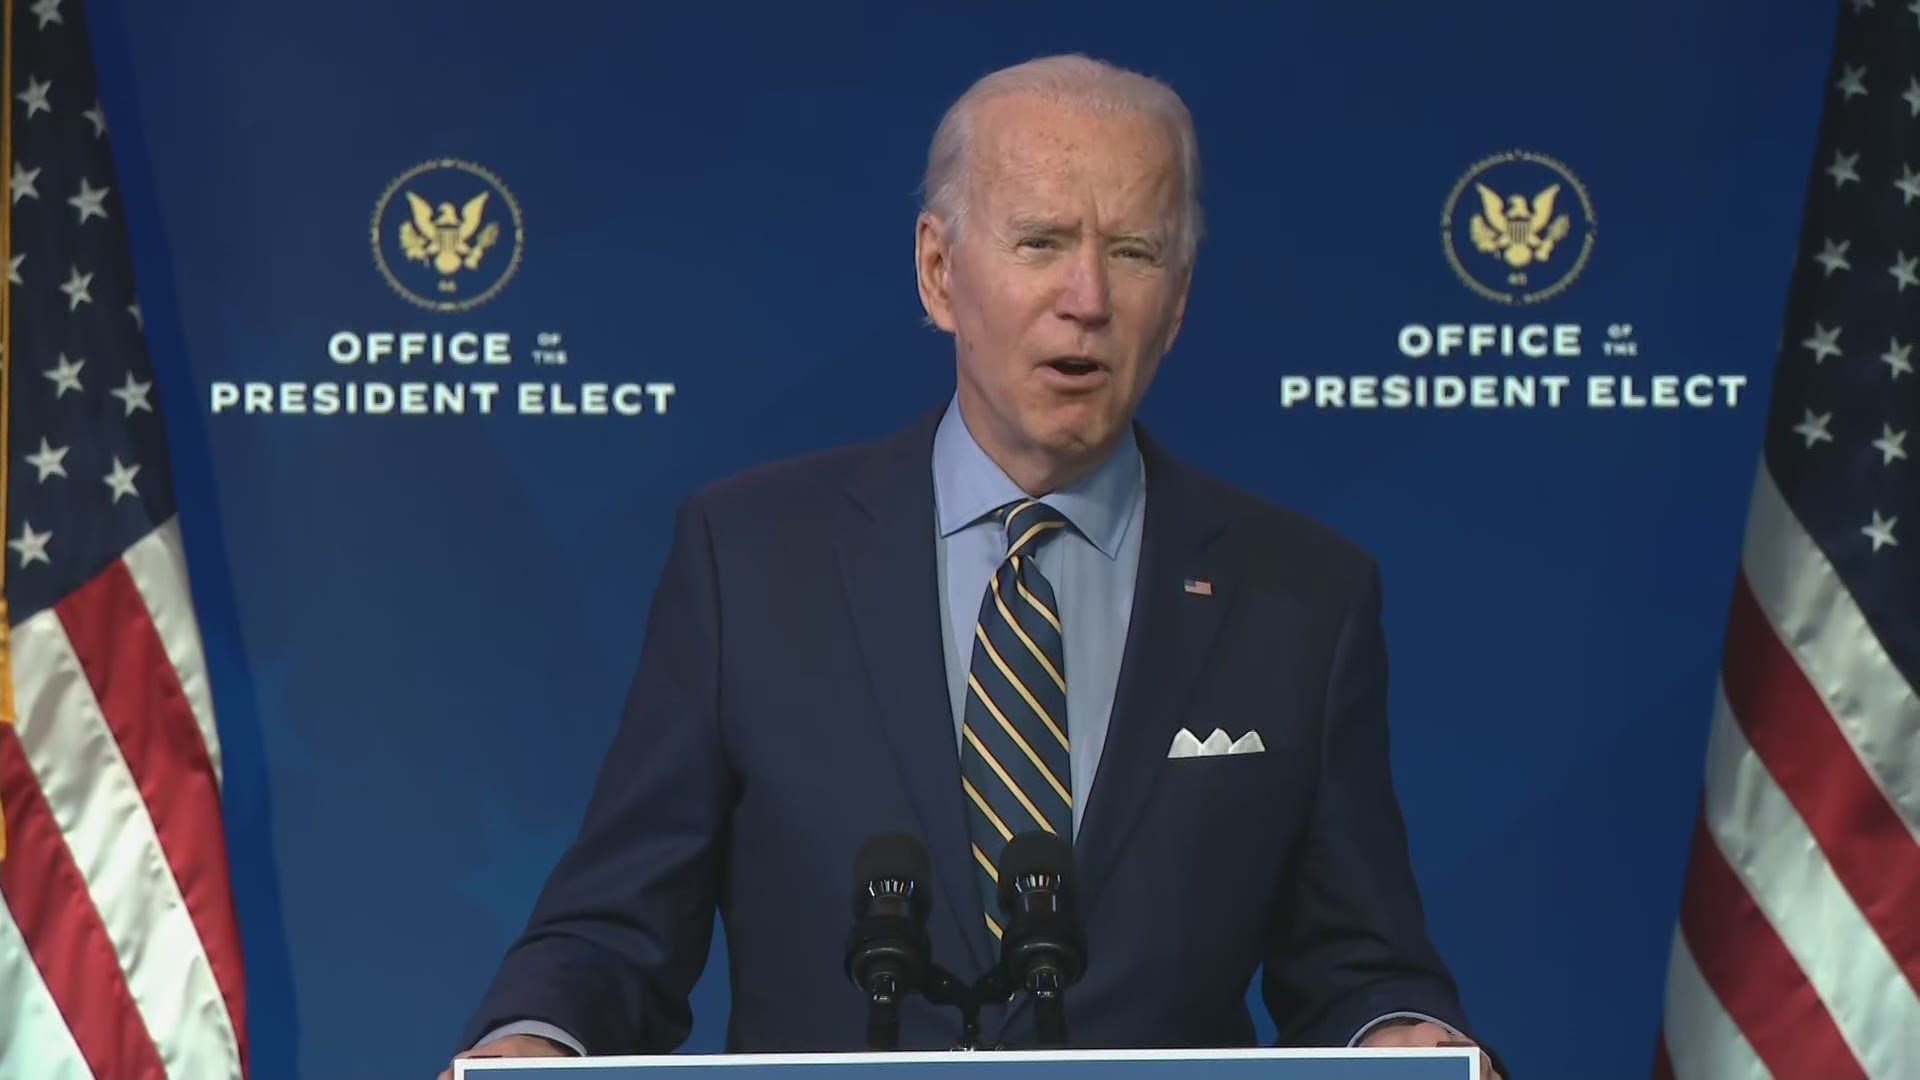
[1749, 969]
[48, 899]
[1662, 1064]
[1866, 843]
[139, 692]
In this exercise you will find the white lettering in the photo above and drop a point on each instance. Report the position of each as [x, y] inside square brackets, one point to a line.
[344, 347]
[627, 400]
[1416, 341]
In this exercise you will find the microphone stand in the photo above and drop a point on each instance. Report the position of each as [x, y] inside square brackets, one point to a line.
[883, 1013]
[1049, 1008]
[944, 988]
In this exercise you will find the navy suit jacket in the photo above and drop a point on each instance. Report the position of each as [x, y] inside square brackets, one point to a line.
[791, 702]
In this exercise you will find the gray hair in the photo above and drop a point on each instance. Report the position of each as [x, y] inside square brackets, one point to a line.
[1078, 82]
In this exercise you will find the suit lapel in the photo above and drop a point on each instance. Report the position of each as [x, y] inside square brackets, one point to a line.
[1169, 639]
[892, 582]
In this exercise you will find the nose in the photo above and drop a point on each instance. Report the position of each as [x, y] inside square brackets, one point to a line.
[1086, 294]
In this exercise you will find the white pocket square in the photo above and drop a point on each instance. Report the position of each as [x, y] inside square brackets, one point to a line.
[1186, 744]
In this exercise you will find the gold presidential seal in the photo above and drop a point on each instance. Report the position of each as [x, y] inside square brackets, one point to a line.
[1526, 232]
[452, 239]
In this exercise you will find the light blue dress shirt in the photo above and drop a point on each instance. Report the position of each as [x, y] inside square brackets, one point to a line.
[1091, 567]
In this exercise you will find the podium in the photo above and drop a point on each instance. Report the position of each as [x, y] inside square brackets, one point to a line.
[1451, 1063]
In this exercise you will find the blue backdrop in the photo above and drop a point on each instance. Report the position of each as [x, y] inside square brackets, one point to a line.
[420, 626]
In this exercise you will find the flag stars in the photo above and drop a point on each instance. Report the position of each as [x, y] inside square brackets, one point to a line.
[1908, 185]
[133, 309]
[1860, 5]
[1814, 428]
[1905, 270]
[1891, 444]
[1898, 357]
[134, 395]
[98, 118]
[1823, 343]
[1843, 169]
[21, 183]
[1880, 530]
[1915, 8]
[1833, 256]
[1852, 82]
[121, 480]
[13, 269]
[49, 461]
[90, 202]
[78, 288]
[32, 546]
[47, 11]
[1912, 96]
[35, 97]
[65, 376]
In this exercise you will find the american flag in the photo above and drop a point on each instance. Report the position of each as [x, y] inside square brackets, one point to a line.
[1798, 947]
[119, 953]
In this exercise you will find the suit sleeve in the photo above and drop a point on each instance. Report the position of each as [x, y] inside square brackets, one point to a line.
[621, 930]
[1350, 944]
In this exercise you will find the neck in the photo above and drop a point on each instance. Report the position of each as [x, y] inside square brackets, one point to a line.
[1035, 471]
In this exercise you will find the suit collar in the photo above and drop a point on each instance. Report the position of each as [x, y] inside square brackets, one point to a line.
[1183, 593]
[892, 583]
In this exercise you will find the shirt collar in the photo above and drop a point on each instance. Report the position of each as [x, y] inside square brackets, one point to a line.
[968, 486]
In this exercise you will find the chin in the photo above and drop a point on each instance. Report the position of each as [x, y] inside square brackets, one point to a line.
[1077, 441]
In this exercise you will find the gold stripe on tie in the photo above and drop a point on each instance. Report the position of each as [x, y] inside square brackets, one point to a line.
[980, 748]
[1020, 741]
[993, 927]
[1021, 544]
[974, 794]
[1018, 686]
[1037, 605]
[1022, 635]
[985, 863]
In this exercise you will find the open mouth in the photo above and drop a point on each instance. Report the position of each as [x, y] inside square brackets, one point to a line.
[1075, 366]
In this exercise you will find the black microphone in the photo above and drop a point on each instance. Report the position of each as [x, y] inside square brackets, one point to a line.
[1042, 949]
[888, 952]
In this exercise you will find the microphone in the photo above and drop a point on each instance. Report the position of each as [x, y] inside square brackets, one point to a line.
[1042, 949]
[888, 953]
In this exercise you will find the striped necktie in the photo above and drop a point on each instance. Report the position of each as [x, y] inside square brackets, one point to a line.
[1014, 766]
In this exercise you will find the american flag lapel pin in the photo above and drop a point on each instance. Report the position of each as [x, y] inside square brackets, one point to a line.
[1198, 586]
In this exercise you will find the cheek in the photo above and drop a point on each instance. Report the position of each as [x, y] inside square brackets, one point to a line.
[981, 315]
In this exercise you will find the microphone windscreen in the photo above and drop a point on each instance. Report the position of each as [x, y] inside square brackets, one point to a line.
[1036, 853]
[892, 855]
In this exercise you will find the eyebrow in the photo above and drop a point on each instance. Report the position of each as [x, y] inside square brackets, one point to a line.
[1032, 224]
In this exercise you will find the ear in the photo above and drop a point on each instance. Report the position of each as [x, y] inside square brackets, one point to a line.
[933, 266]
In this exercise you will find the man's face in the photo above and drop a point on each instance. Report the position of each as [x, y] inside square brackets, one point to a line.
[1065, 286]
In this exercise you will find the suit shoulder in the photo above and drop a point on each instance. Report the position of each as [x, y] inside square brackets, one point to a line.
[776, 490]
[776, 498]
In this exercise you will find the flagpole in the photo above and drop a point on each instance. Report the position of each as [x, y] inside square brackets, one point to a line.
[6, 360]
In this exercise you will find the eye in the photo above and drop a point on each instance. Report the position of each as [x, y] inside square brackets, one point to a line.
[1136, 254]
[1038, 243]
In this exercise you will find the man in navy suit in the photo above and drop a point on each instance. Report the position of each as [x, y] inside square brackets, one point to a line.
[1020, 613]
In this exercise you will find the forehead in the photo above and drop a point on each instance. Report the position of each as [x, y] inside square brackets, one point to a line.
[1034, 156]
